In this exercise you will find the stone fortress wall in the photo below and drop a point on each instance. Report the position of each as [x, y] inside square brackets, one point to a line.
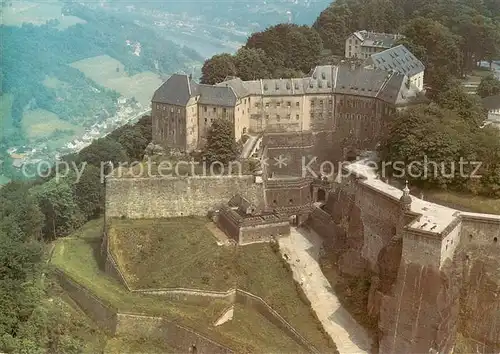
[165, 197]
[436, 269]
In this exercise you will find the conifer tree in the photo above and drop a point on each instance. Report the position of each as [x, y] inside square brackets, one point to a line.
[221, 144]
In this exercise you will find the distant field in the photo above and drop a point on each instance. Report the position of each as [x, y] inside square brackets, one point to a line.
[102, 69]
[40, 123]
[36, 13]
[54, 83]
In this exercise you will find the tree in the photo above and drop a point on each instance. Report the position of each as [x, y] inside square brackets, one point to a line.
[217, 68]
[437, 47]
[221, 144]
[57, 203]
[290, 46]
[89, 192]
[469, 107]
[103, 150]
[489, 86]
[253, 64]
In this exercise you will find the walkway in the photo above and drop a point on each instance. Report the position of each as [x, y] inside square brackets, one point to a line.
[248, 146]
[302, 250]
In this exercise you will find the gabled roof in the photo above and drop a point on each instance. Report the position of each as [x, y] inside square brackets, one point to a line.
[176, 91]
[492, 102]
[398, 59]
[375, 39]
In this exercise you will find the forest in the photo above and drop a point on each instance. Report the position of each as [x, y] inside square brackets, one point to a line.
[32, 53]
[35, 212]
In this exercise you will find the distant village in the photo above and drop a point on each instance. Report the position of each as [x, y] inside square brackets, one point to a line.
[128, 111]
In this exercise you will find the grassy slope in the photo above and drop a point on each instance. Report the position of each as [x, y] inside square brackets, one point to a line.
[181, 252]
[78, 256]
[102, 69]
[464, 202]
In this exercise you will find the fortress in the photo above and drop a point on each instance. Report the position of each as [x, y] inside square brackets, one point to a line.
[434, 270]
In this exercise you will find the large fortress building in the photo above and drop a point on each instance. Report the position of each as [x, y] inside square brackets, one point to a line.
[331, 98]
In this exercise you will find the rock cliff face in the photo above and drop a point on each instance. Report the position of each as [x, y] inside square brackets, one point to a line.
[422, 312]
[420, 308]
[479, 321]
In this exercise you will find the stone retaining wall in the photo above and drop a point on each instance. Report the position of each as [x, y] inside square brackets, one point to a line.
[175, 335]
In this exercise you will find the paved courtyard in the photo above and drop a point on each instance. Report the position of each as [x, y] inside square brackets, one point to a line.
[302, 253]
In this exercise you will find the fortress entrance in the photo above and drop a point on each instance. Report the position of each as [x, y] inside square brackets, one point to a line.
[321, 195]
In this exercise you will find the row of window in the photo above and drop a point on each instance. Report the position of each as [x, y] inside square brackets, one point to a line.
[288, 117]
[278, 104]
[357, 104]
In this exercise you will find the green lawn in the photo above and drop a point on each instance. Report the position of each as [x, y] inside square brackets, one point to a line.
[79, 256]
[464, 202]
[40, 123]
[181, 252]
[102, 69]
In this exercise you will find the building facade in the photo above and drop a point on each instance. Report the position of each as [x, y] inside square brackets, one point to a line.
[363, 44]
[330, 98]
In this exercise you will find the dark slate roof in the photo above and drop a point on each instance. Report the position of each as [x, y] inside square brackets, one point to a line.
[216, 95]
[397, 59]
[362, 82]
[492, 102]
[235, 201]
[394, 90]
[176, 90]
[374, 39]
[237, 85]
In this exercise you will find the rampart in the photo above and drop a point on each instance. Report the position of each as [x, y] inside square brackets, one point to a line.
[423, 258]
[174, 335]
[251, 229]
[162, 197]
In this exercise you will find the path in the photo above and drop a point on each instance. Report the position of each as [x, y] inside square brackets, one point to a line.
[304, 246]
[248, 146]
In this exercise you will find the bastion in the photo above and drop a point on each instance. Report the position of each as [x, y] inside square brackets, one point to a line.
[435, 270]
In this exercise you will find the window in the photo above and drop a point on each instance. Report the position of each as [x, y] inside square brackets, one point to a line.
[278, 104]
[224, 110]
[215, 110]
[171, 110]
[288, 116]
[278, 117]
[205, 120]
[178, 110]
[267, 116]
[330, 101]
[320, 101]
[297, 104]
[257, 104]
[205, 108]
[312, 102]
[297, 117]
[289, 104]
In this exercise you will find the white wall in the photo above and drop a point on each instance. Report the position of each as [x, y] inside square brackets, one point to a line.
[418, 80]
